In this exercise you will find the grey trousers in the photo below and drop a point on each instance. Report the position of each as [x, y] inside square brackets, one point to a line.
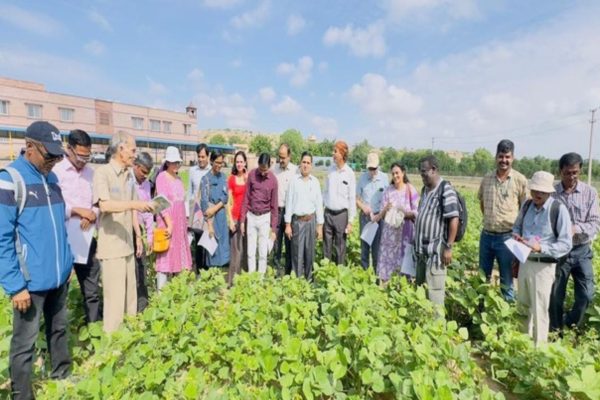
[434, 275]
[303, 247]
[369, 253]
[334, 235]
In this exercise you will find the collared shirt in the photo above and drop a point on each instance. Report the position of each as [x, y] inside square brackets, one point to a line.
[195, 176]
[536, 224]
[76, 186]
[145, 218]
[304, 198]
[582, 204]
[261, 196]
[115, 230]
[340, 190]
[370, 190]
[284, 177]
[431, 222]
[502, 200]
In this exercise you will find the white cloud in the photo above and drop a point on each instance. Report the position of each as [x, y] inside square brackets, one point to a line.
[156, 88]
[378, 98]
[237, 63]
[361, 42]
[253, 18]
[267, 94]
[286, 106]
[295, 24]
[299, 73]
[228, 109]
[195, 75]
[100, 20]
[94, 48]
[220, 3]
[30, 21]
[325, 126]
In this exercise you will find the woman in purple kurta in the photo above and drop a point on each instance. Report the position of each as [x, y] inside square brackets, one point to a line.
[405, 197]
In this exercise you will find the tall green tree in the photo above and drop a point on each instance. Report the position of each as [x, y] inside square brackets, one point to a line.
[387, 157]
[359, 154]
[261, 144]
[235, 139]
[294, 139]
[217, 139]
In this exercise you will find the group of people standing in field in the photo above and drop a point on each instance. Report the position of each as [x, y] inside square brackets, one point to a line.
[50, 199]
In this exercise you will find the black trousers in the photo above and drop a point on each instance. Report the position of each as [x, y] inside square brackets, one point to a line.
[88, 276]
[281, 240]
[26, 326]
[140, 281]
[199, 254]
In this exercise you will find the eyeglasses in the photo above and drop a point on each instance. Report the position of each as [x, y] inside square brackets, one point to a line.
[47, 156]
[372, 169]
[79, 157]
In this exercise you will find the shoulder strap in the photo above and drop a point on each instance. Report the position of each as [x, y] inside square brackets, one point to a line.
[525, 208]
[554, 211]
[442, 189]
[19, 188]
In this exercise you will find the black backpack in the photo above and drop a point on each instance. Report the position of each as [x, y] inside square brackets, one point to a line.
[463, 215]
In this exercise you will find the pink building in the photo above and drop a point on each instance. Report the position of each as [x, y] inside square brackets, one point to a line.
[22, 103]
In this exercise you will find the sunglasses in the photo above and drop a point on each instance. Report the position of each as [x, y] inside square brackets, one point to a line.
[79, 157]
[47, 156]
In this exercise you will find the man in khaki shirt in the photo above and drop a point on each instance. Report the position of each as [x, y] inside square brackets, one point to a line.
[501, 195]
[116, 196]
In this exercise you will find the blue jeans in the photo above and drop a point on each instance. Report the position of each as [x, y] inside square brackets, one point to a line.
[579, 264]
[492, 247]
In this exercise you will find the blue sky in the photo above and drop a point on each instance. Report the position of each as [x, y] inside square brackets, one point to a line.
[396, 72]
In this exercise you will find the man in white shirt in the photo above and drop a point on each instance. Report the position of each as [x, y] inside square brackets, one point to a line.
[284, 172]
[340, 204]
[196, 174]
[303, 205]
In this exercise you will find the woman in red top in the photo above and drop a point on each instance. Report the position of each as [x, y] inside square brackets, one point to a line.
[236, 184]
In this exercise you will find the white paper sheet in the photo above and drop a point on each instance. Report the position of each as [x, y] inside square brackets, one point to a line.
[369, 231]
[161, 203]
[209, 243]
[519, 250]
[79, 240]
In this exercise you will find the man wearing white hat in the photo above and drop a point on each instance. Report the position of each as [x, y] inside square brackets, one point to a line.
[544, 225]
[369, 192]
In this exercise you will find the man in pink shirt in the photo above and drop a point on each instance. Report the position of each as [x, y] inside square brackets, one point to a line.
[75, 180]
[141, 169]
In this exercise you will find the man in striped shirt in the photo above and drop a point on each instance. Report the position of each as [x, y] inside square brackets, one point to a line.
[435, 229]
[582, 202]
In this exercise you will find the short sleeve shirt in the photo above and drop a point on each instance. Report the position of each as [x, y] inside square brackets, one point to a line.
[502, 200]
[115, 230]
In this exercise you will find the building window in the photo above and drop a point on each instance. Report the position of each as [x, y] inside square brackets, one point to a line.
[166, 126]
[154, 125]
[187, 129]
[104, 119]
[137, 123]
[34, 111]
[66, 114]
[3, 107]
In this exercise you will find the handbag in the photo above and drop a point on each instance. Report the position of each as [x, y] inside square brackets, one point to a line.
[160, 241]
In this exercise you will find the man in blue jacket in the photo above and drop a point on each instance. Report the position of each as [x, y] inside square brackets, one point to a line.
[35, 258]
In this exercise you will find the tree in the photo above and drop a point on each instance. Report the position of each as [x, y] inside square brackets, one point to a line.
[387, 157]
[261, 144]
[217, 139]
[359, 154]
[322, 149]
[294, 139]
[235, 139]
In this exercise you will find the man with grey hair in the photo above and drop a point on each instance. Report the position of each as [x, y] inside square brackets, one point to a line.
[115, 195]
[141, 169]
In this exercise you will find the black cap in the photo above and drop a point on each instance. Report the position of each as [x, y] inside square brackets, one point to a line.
[48, 135]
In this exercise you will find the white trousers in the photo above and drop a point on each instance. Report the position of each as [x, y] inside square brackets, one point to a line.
[535, 287]
[258, 229]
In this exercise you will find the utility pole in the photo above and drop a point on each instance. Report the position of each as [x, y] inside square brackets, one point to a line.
[593, 111]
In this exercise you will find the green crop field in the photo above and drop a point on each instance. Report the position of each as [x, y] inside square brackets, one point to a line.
[342, 336]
